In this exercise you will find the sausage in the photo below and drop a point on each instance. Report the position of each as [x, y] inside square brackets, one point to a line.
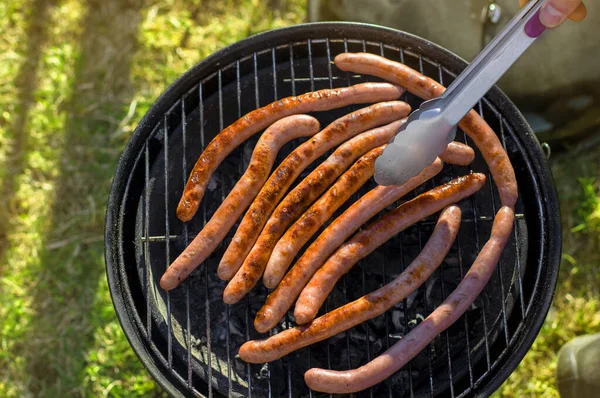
[472, 124]
[242, 129]
[367, 240]
[337, 132]
[366, 307]
[241, 195]
[309, 189]
[282, 298]
[299, 233]
[276, 186]
[458, 154]
[382, 367]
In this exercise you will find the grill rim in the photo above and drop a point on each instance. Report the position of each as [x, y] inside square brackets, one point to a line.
[550, 235]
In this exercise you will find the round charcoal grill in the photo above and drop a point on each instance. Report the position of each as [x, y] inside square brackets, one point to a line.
[188, 339]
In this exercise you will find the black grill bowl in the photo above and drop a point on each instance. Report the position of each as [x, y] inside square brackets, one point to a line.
[188, 339]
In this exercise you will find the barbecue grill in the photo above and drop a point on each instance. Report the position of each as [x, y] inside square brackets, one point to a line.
[188, 338]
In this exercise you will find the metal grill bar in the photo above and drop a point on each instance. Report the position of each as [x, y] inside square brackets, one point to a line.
[185, 233]
[344, 278]
[206, 288]
[287, 317]
[292, 76]
[503, 301]
[423, 288]
[385, 281]
[441, 272]
[481, 296]
[274, 71]
[167, 243]
[364, 282]
[465, 316]
[307, 79]
[270, 388]
[516, 232]
[405, 309]
[241, 171]
[146, 227]
[424, 223]
[257, 105]
[478, 247]
[227, 312]
[310, 67]
[403, 265]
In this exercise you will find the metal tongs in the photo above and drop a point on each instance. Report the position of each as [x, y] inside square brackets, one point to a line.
[430, 128]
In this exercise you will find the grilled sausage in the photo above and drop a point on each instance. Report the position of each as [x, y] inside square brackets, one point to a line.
[309, 189]
[458, 154]
[300, 232]
[367, 240]
[281, 179]
[282, 298]
[472, 124]
[366, 307]
[379, 369]
[242, 129]
[241, 195]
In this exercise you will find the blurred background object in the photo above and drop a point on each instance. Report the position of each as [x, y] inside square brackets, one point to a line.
[556, 83]
[76, 76]
[579, 367]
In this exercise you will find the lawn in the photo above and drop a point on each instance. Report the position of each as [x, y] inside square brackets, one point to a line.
[75, 78]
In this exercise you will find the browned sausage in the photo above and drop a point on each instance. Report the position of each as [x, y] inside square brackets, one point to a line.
[459, 154]
[367, 240]
[241, 195]
[366, 307]
[301, 231]
[282, 298]
[472, 124]
[292, 241]
[379, 369]
[309, 189]
[281, 179]
[242, 129]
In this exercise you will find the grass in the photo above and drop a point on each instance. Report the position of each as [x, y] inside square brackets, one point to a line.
[75, 78]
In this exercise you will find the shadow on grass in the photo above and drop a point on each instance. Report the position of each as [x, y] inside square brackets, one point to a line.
[62, 329]
[26, 83]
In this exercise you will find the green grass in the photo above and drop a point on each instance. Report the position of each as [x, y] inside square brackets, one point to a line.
[75, 78]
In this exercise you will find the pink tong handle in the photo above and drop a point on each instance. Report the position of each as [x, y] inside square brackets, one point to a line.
[534, 27]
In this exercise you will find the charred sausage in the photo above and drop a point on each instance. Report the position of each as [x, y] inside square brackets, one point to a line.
[311, 187]
[303, 229]
[242, 129]
[337, 132]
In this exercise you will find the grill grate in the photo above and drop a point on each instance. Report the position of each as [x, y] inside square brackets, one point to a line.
[475, 219]
[193, 337]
